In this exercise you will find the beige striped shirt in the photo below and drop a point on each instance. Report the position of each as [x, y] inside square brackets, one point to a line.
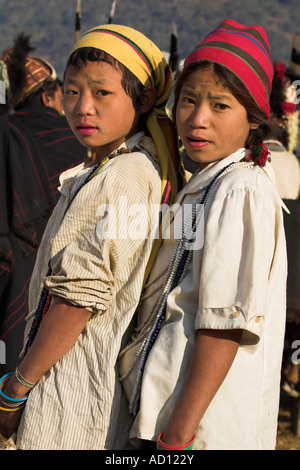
[79, 403]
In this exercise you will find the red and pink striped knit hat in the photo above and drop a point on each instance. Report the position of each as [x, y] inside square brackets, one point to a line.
[245, 51]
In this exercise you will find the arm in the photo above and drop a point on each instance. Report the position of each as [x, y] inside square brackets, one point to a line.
[58, 332]
[213, 354]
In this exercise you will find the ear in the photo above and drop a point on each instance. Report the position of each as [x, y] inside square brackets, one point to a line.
[147, 99]
[45, 99]
[254, 126]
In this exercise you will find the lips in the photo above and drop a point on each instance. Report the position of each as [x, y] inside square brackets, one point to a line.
[86, 129]
[197, 142]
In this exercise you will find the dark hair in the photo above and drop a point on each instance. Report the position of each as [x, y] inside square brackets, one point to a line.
[277, 97]
[278, 130]
[50, 86]
[131, 84]
[235, 86]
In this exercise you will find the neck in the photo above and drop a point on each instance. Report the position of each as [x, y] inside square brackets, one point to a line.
[97, 158]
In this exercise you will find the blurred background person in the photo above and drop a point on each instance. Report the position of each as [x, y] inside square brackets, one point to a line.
[36, 145]
[282, 143]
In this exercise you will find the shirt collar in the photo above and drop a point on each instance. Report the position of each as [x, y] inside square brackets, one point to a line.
[201, 179]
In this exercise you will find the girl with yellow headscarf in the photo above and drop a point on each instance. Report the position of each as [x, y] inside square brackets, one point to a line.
[96, 251]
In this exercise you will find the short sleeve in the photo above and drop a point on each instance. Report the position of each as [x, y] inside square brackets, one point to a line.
[238, 248]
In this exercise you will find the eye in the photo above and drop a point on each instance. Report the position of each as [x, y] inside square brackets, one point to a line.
[187, 100]
[221, 106]
[70, 92]
[103, 92]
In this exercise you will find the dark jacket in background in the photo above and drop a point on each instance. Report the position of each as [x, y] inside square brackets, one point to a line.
[36, 146]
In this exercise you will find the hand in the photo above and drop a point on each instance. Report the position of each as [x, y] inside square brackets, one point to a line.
[9, 421]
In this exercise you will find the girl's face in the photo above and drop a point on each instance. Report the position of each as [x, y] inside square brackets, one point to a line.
[99, 111]
[211, 122]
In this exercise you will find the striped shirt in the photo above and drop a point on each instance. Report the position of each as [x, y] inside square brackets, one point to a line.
[79, 403]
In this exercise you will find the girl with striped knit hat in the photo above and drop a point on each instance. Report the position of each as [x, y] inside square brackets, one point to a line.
[203, 370]
[98, 247]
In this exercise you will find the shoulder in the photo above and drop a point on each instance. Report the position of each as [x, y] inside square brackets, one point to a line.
[244, 178]
[243, 184]
[133, 175]
[41, 118]
[136, 166]
[285, 161]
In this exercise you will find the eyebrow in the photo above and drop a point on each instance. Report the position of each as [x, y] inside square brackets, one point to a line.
[220, 96]
[73, 81]
[217, 96]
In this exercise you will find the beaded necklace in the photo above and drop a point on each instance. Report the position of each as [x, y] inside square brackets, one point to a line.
[45, 298]
[147, 333]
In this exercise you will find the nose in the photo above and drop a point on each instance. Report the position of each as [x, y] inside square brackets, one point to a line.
[84, 105]
[200, 117]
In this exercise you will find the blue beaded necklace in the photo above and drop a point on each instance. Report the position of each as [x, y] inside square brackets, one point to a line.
[45, 298]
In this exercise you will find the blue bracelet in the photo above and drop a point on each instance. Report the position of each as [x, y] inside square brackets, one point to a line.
[7, 398]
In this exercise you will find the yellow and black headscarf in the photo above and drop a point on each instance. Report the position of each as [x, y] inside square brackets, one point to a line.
[144, 59]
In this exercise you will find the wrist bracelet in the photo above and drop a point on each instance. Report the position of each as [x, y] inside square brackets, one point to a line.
[23, 381]
[11, 405]
[162, 446]
[6, 397]
[12, 409]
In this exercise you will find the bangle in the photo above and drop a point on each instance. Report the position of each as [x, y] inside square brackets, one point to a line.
[6, 397]
[12, 409]
[23, 381]
[11, 405]
[162, 446]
